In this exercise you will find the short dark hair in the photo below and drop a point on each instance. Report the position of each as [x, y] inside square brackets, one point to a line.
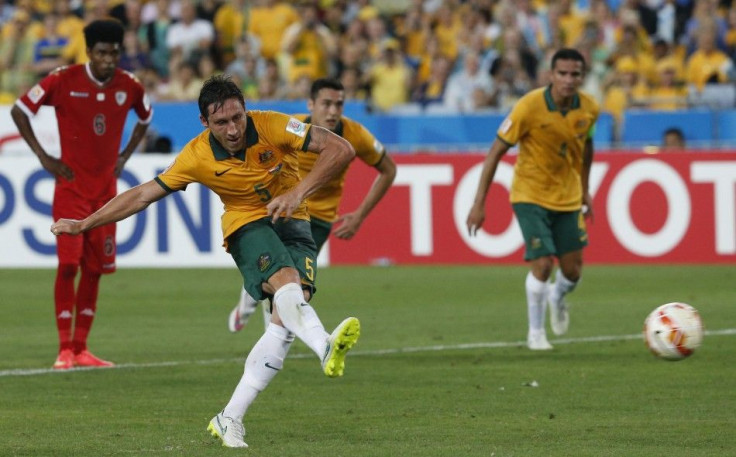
[218, 89]
[103, 31]
[675, 131]
[324, 83]
[568, 54]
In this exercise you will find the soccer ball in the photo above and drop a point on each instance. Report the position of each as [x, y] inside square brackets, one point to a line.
[673, 331]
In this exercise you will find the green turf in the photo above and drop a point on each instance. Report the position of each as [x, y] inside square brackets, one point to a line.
[410, 388]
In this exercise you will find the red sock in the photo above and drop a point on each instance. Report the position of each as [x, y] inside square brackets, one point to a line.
[64, 303]
[89, 285]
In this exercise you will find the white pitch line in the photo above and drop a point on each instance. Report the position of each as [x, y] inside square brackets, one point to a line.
[436, 348]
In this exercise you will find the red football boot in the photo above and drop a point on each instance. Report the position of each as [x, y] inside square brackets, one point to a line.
[87, 359]
[65, 360]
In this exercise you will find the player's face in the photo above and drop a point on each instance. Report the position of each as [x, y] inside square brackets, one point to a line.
[567, 76]
[327, 108]
[103, 59]
[227, 124]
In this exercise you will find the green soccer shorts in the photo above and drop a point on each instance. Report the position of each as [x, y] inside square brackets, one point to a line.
[547, 232]
[261, 248]
[320, 231]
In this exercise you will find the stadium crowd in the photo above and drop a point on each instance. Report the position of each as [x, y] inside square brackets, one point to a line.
[428, 55]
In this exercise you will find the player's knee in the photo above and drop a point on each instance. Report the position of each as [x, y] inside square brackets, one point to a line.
[67, 270]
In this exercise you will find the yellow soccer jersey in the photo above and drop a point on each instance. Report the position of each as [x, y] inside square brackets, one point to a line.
[548, 168]
[246, 182]
[324, 202]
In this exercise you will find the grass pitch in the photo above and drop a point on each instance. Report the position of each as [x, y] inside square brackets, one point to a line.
[440, 369]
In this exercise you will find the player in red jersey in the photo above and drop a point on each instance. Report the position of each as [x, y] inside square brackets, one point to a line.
[92, 102]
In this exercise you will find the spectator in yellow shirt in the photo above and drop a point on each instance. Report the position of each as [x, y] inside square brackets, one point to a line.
[707, 64]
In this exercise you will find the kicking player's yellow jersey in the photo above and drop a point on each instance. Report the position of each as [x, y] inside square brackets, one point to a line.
[247, 181]
[324, 202]
[548, 168]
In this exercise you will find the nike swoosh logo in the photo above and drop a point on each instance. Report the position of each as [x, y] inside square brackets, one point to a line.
[220, 173]
[268, 365]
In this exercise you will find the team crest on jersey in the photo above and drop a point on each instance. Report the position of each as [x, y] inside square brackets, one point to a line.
[296, 127]
[120, 97]
[35, 94]
[264, 261]
[265, 156]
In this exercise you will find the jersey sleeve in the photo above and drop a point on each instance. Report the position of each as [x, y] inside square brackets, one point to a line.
[367, 147]
[513, 127]
[40, 94]
[142, 104]
[289, 132]
[180, 173]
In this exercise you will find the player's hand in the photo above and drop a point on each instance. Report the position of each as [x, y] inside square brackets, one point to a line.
[588, 207]
[56, 167]
[351, 222]
[283, 206]
[475, 220]
[66, 226]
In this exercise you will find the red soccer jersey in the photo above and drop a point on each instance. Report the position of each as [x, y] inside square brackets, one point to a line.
[91, 116]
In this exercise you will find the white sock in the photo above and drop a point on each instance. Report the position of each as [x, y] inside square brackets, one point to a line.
[300, 318]
[266, 306]
[562, 287]
[246, 301]
[535, 301]
[263, 363]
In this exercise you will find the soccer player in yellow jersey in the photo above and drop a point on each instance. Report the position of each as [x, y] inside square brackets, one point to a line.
[325, 105]
[549, 193]
[250, 159]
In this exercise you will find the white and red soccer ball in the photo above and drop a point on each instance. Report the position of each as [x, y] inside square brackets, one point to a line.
[673, 331]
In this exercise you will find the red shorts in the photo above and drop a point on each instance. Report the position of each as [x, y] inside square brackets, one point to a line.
[94, 249]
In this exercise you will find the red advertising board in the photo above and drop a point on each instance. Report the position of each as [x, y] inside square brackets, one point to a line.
[663, 208]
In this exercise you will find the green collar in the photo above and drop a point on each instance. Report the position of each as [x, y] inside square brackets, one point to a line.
[551, 103]
[251, 138]
[339, 128]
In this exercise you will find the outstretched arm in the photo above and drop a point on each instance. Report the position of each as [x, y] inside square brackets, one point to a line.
[122, 206]
[478, 212]
[51, 164]
[351, 221]
[334, 154]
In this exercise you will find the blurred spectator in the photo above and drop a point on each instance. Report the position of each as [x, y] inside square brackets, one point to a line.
[624, 89]
[133, 58]
[207, 9]
[308, 45]
[433, 89]
[16, 55]
[76, 50]
[69, 23]
[299, 89]
[270, 84]
[230, 25]
[190, 38]
[668, 94]
[245, 67]
[705, 15]
[155, 143]
[128, 12]
[184, 84]
[389, 79]
[470, 89]
[206, 67]
[707, 64]
[673, 139]
[47, 52]
[447, 29]
[351, 79]
[268, 21]
[152, 36]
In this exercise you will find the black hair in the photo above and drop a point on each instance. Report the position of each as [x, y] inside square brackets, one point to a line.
[103, 31]
[675, 131]
[218, 89]
[324, 83]
[567, 54]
